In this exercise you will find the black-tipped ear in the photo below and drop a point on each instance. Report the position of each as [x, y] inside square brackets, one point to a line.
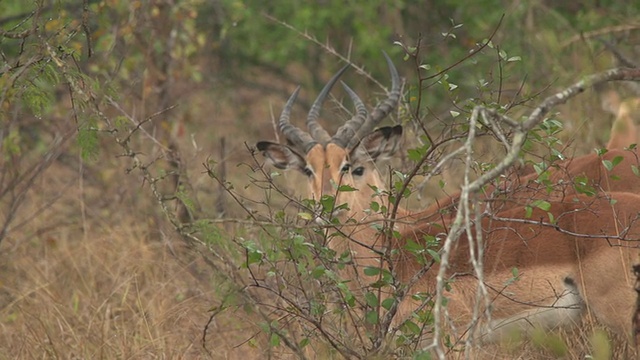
[380, 144]
[281, 156]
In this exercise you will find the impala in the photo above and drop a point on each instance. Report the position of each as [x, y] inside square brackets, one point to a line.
[580, 260]
[349, 156]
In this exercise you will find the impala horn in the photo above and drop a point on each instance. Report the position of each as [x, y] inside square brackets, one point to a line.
[361, 124]
[316, 134]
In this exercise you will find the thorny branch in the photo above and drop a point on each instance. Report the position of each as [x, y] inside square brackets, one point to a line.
[620, 235]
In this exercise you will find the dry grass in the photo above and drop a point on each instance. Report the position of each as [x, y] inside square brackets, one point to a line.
[92, 278]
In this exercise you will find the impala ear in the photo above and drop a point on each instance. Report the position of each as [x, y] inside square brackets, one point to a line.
[380, 145]
[281, 156]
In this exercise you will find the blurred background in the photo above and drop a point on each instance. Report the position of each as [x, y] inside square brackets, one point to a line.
[111, 112]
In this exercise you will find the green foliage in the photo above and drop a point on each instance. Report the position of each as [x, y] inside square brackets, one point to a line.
[550, 342]
[610, 164]
[38, 97]
[582, 185]
[539, 204]
[11, 143]
[601, 345]
[254, 253]
[250, 24]
[88, 139]
[210, 233]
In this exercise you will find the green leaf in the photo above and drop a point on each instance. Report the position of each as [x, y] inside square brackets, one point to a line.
[327, 202]
[254, 257]
[617, 160]
[581, 184]
[350, 299]
[371, 317]
[416, 154]
[413, 247]
[318, 271]
[411, 328]
[372, 271]
[528, 211]
[274, 341]
[346, 188]
[387, 303]
[305, 216]
[434, 254]
[552, 218]
[371, 299]
[542, 205]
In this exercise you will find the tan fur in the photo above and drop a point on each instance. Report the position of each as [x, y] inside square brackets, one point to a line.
[326, 163]
[544, 257]
[624, 131]
[518, 191]
[328, 176]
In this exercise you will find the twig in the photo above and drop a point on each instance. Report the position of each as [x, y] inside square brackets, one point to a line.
[598, 33]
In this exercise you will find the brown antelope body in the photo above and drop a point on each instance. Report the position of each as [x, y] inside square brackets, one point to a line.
[581, 262]
[561, 272]
[587, 174]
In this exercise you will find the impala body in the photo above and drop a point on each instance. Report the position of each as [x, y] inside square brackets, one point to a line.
[539, 273]
[580, 262]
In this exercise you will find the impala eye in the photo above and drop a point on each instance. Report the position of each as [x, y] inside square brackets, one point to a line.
[358, 171]
[346, 168]
[307, 171]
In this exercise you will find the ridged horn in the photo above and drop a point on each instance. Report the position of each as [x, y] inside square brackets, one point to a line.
[294, 135]
[347, 131]
[343, 135]
[315, 129]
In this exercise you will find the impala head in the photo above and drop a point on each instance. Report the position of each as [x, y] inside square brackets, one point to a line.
[349, 156]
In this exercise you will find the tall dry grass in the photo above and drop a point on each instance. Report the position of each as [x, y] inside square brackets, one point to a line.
[95, 277]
